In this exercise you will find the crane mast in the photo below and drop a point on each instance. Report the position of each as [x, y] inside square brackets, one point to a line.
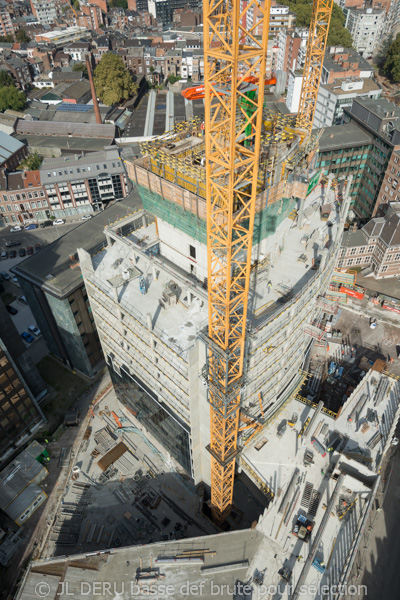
[233, 52]
[316, 45]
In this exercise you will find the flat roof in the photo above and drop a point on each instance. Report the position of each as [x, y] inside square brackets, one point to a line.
[54, 259]
[369, 85]
[67, 144]
[340, 136]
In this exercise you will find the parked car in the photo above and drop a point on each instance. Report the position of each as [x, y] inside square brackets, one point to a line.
[28, 337]
[86, 217]
[22, 299]
[33, 329]
[15, 228]
[13, 253]
[4, 255]
[11, 309]
[38, 247]
[6, 276]
[45, 224]
[15, 279]
[59, 222]
[13, 243]
[29, 250]
[22, 252]
[30, 226]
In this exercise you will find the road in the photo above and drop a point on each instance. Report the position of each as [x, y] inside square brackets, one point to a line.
[29, 238]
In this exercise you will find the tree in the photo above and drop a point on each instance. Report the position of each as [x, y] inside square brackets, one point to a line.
[22, 37]
[5, 78]
[11, 98]
[173, 78]
[338, 35]
[112, 80]
[32, 162]
[380, 57]
[391, 67]
[6, 39]
[118, 4]
[80, 66]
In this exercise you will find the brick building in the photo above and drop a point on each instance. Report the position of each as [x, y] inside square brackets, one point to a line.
[375, 247]
[22, 198]
[289, 43]
[83, 184]
[341, 63]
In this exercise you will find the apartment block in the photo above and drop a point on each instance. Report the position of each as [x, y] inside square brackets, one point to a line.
[6, 26]
[366, 27]
[44, 10]
[83, 184]
[289, 43]
[376, 247]
[334, 97]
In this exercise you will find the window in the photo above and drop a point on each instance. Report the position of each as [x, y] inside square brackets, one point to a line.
[384, 268]
[192, 251]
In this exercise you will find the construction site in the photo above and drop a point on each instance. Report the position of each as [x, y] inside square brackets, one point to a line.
[218, 313]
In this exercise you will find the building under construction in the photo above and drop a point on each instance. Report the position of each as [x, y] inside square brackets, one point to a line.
[148, 287]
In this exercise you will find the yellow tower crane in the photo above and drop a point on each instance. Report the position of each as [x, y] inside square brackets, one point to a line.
[316, 45]
[233, 52]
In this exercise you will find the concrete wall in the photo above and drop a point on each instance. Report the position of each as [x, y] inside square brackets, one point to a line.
[175, 245]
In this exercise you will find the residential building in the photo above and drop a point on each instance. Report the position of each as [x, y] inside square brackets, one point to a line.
[78, 50]
[22, 198]
[52, 283]
[19, 69]
[163, 10]
[289, 43]
[44, 10]
[90, 16]
[366, 26]
[6, 26]
[83, 184]
[295, 81]
[12, 151]
[342, 63]
[20, 415]
[375, 247]
[334, 97]
[20, 494]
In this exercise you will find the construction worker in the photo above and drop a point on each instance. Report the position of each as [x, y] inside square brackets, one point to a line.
[300, 557]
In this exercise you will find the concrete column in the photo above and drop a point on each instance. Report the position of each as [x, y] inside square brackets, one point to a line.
[324, 255]
[155, 274]
[346, 200]
[331, 177]
[115, 294]
[300, 218]
[144, 220]
[149, 321]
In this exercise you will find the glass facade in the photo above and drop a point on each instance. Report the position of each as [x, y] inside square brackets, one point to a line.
[152, 413]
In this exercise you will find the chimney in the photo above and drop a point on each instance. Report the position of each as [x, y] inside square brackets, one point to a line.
[93, 90]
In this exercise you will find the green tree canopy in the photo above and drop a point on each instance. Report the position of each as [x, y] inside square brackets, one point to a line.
[81, 66]
[112, 80]
[6, 39]
[32, 162]
[22, 37]
[5, 78]
[11, 98]
[118, 4]
[338, 34]
[173, 78]
[391, 68]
